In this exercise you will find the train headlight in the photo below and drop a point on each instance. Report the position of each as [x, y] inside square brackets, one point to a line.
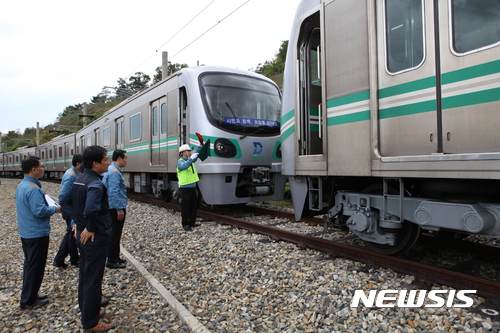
[225, 148]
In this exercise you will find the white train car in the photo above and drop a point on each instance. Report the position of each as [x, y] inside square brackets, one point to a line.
[236, 111]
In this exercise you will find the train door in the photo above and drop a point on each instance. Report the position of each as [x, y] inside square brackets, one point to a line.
[163, 132]
[469, 31]
[310, 113]
[66, 160]
[158, 142]
[119, 133]
[408, 111]
[183, 117]
[172, 125]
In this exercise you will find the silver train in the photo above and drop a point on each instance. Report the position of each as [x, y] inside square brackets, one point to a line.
[389, 120]
[237, 113]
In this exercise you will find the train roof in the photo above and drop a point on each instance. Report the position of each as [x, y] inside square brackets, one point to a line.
[191, 71]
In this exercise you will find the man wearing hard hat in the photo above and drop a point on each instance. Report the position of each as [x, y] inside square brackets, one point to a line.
[188, 177]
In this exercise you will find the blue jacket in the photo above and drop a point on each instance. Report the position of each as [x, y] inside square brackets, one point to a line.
[65, 190]
[33, 212]
[117, 190]
[186, 163]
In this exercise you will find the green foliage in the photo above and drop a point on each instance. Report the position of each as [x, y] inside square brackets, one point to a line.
[275, 66]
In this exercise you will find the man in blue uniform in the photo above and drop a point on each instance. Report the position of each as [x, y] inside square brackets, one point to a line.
[117, 198]
[68, 244]
[188, 177]
[93, 230]
[33, 218]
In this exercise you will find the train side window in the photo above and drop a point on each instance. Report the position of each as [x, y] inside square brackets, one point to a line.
[120, 133]
[163, 118]
[135, 127]
[404, 34]
[475, 24]
[106, 137]
[60, 151]
[155, 121]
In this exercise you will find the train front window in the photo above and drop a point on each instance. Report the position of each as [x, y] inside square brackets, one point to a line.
[476, 24]
[241, 104]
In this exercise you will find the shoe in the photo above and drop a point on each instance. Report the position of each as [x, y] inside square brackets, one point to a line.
[187, 228]
[104, 301]
[38, 302]
[195, 225]
[75, 264]
[122, 261]
[42, 296]
[101, 327]
[102, 313]
[60, 264]
[114, 265]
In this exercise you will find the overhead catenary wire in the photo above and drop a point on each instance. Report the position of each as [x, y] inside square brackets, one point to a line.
[211, 28]
[175, 34]
[204, 33]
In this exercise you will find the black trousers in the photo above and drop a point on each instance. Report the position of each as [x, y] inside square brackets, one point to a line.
[92, 263]
[114, 241]
[189, 206]
[68, 244]
[35, 257]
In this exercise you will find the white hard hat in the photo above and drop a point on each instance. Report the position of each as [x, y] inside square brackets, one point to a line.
[183, 148]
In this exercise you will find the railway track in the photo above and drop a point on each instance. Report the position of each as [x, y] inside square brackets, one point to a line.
[425, 273]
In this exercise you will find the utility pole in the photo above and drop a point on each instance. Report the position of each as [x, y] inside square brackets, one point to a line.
[164, 65]
[37, 133]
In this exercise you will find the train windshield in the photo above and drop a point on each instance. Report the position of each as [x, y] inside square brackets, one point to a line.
[241, 104]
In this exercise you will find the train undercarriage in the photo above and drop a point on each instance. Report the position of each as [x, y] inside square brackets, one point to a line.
[390, 214]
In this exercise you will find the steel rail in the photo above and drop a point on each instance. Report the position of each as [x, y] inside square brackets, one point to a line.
[428, 273]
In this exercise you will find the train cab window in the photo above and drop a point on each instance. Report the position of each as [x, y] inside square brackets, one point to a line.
[106, 137]
[475, 24]
[404, 34]
[241, 104]
[163, 118]
[135, 127]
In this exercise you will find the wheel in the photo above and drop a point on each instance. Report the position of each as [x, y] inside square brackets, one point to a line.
[407, 237]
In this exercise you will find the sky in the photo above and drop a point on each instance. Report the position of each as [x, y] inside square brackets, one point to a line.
[58, 53]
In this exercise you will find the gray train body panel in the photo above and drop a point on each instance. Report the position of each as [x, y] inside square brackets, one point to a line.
[11, 161]
[375, 94]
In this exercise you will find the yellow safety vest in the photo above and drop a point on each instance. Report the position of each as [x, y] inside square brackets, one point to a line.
[187, 176]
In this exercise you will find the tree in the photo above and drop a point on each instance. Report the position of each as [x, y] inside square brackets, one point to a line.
[172, 68]
[275, 66]
[138, 82]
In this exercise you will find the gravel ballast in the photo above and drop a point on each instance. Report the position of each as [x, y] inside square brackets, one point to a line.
[228, 279]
